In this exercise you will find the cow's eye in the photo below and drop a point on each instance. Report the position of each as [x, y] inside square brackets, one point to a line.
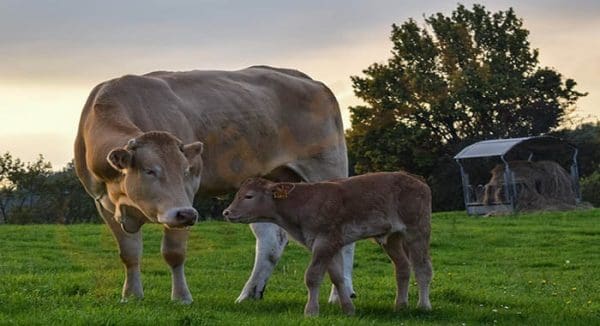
[150, 172]
[248, 196]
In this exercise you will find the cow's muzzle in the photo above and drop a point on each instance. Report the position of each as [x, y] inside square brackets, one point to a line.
[179, 217]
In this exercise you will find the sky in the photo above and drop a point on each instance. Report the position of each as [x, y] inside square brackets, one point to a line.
[52, 53]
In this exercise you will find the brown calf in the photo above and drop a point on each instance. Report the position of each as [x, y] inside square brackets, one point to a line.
[393, 208]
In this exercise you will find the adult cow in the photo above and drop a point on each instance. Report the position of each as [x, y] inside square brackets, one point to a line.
[147, 144]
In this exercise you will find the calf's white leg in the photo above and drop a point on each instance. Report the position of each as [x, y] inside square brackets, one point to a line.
[173, 249]
[270, 242]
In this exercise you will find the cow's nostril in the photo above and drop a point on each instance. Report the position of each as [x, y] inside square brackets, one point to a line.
[187, 216]
[226, 213]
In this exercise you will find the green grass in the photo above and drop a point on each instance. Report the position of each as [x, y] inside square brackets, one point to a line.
[541, 269]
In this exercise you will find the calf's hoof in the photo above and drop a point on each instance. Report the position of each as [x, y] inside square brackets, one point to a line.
[401, 306]
[424, 306]
[311, 311]
[348, 310]
[185, 301]
[129, 298]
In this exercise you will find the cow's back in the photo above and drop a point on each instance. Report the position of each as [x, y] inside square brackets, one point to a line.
[251, 121]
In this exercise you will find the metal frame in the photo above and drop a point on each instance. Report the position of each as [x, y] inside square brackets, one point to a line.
[510, 187]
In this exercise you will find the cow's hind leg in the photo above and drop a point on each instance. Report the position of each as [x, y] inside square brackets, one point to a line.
[270, 242]
[173, 249]
[130, 251]
[393, 247]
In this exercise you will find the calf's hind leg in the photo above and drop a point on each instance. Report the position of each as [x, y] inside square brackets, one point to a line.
[393, 247]
[418, 253]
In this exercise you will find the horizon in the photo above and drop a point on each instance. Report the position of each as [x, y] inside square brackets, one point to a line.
[55, 53]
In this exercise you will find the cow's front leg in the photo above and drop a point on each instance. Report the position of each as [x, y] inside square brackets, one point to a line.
[173, 249]
[270, 242]
[348, 262]
[130, 251]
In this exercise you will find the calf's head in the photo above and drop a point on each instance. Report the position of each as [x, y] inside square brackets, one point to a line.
[256, 199]
[159, 178]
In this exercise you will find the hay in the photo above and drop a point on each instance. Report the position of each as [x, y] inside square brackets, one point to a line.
[542, 185]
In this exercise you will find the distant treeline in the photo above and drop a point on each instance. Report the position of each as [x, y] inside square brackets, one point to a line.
[33, 193]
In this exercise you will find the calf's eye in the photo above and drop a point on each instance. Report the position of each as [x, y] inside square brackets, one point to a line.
[248, 196]
[150, 172]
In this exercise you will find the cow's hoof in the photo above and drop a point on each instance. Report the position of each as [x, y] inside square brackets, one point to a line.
[251, 293]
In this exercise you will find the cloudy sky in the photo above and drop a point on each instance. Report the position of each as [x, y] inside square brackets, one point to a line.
[53, 52]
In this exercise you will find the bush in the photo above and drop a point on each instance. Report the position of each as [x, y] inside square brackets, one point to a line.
[590, 189]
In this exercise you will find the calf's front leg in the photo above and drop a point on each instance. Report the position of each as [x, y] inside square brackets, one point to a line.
[322, 255]
[173, 249]
[336, 273]
[348, 265]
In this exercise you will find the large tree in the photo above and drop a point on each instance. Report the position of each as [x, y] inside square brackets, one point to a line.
[458, 79]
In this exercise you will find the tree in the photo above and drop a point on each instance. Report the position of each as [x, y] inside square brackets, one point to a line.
[459, 79]
[10, 168]
[586, 137]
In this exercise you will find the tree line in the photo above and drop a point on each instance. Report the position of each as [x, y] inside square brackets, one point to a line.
[451, 81]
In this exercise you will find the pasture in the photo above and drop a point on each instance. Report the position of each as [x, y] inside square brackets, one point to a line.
[541, 269]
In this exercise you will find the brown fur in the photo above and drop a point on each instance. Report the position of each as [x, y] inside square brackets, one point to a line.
[393, 208]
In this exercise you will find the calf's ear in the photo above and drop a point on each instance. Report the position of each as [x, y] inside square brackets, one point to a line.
[282, 190]
[192, 150]
[120, 158]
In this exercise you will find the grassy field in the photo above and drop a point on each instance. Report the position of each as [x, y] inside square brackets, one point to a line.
[541, 269]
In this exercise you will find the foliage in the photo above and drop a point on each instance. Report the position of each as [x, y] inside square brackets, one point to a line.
[533, 269]
[460, 79]
[33, 193]
[590, 188]
[586, 137]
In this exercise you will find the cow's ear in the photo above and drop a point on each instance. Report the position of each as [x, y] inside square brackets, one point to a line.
[192, 150]
[282, 190]
[120, 158]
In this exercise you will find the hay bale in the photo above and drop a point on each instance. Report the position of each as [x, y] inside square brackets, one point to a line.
[542, 185]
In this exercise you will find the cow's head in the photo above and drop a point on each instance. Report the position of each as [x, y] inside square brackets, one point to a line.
[159, 178]
[256, 198]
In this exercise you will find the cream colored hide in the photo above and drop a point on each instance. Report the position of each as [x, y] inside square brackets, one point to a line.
[146, 145]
